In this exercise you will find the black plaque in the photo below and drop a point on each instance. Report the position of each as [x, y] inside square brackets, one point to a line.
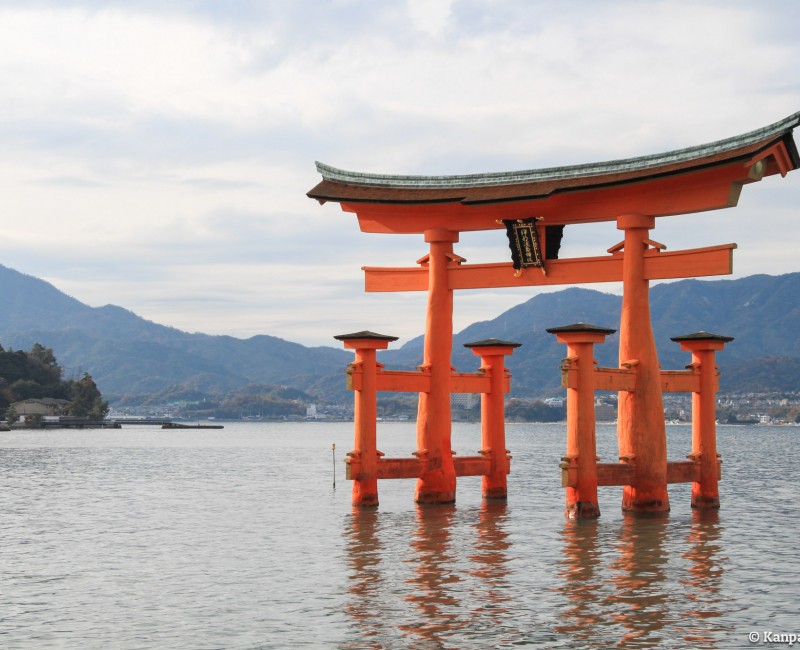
[523, 240]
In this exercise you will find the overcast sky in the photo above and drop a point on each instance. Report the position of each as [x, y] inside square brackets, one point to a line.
[156, 155]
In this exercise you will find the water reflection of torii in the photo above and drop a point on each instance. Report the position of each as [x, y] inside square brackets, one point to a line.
[441, 603]
[630, 192]
[621, 583]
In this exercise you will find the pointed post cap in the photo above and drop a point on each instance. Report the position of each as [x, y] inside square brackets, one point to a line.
[702, 336]
[580, 328]
[365, 340]
[492, 343]
[700, 341]
[365, 335]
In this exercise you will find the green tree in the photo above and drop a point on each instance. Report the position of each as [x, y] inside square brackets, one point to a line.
[36, 374]
[86, 400]
[27, 389]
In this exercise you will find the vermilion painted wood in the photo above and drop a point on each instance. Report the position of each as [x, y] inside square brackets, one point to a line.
[400, 381]
[476, 383]
[641, 431]
[614, 474]
[409, 381]
[698, 262]
[473, 466]
[390, 468]
[681, 471]
[438, 482]
[694, 191]
[581, 496]
[604, 378]
[494, 484]
[365, 415]
[679, 381]
[672, 381]
[705, 489]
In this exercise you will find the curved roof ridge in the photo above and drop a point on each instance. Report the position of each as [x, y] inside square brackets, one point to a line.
[777, 129]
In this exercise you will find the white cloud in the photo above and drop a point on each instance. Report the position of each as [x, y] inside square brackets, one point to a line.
[157, 155]
[430, 16]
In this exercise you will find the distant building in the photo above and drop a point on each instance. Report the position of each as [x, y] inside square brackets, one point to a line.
[45, 406]
[604, 412]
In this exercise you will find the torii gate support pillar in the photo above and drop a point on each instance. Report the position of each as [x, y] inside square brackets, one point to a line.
[493, 422]
[703, 346]
[434, 419]
[581, 453]
[641, 429]
[365, 413]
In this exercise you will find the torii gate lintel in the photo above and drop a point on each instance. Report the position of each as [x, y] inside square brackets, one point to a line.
[658, 265]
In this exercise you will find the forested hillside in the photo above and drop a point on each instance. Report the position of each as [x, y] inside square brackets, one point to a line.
[129, 356]
[36, 374]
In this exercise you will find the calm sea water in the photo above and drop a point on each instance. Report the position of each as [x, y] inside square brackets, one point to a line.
[142, 538]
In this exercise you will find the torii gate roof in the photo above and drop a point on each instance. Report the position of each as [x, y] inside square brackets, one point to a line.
[703, 177]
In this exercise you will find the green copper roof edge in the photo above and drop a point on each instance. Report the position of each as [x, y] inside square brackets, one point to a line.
[775, 130]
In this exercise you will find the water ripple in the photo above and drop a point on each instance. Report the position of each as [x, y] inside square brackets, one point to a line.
[236, 539]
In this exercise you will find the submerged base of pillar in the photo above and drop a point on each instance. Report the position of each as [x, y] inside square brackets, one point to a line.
[434, 496]
[634, 500]
[364, 499]
[427, 493]
[582, 510]
[366, 503]
[436, 486]
[705, 502]
[495, 493]
[655, 505]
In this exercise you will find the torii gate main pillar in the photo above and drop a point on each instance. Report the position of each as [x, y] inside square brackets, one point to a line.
[640, 422]
[438, 482]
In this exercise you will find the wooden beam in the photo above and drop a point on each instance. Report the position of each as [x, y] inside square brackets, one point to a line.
[672, 381]
[472, 465]
[679, 381]
[683, 471]
[403, 381]
[399, 278]
[689, 263]
[658, 265]
[389, 468]
[604, 378]
[614, 474]
[417, 381]
[463, 382]
[400, 468]
[690, 192]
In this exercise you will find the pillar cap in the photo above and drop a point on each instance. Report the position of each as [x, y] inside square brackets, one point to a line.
[580, 328]
[492, 343]
[365, 335]
[702, 336]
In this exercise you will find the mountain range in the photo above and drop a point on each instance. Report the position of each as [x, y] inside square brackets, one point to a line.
[128, 355]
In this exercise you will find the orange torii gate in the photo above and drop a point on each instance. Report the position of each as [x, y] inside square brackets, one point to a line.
[633, 193]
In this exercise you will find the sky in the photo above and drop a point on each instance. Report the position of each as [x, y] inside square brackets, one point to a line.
[156, 155]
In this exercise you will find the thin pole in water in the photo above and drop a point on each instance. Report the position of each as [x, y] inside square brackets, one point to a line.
[333, 453]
